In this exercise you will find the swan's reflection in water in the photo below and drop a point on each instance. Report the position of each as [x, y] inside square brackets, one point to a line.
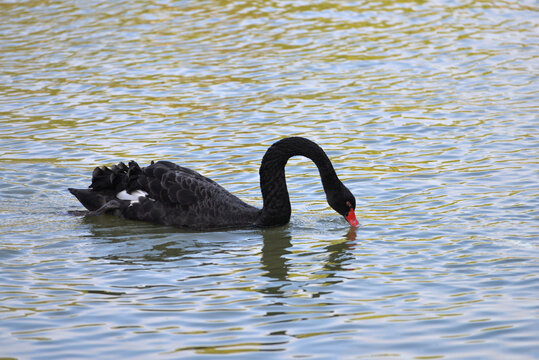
[276, 248]
[129, 243]
[340, 253]
[275, 258]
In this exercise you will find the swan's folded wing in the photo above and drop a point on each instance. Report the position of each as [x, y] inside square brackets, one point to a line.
[175, 185]
[159, 168]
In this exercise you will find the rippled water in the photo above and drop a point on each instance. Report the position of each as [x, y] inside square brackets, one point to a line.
[427, 108]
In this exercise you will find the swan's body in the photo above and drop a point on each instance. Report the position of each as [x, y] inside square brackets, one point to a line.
[168, 194]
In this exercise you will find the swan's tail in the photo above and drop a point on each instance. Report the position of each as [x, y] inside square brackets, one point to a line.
[114, 178]
[92, 199]
[107, 183]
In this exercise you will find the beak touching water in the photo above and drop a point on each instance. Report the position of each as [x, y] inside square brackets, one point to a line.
[351, 218]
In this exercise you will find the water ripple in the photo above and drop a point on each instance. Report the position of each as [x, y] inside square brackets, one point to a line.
[427, 109]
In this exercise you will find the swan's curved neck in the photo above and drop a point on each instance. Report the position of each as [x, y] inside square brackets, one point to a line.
[277, 210]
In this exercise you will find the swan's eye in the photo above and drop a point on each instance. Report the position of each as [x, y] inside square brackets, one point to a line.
[348, 203]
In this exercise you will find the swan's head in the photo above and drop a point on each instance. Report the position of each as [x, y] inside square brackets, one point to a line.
[343, 202]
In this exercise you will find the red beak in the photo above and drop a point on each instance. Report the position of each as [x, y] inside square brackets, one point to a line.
[351, 218]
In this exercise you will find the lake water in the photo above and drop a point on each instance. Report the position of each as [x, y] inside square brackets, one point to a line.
[428, 110]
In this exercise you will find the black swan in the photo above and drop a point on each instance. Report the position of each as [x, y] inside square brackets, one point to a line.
[168, 194]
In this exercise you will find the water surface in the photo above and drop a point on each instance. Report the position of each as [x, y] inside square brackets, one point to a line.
[428, 110]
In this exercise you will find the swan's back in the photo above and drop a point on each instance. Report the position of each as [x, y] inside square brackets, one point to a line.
[165, 193]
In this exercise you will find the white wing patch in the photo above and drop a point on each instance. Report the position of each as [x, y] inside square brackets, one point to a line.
[133, 197]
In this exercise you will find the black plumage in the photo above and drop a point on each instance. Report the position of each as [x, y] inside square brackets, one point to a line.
[169, 194]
